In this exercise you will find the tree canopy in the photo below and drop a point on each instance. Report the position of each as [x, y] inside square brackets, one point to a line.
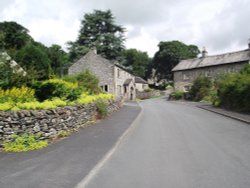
[136, 61]
[169, 55]
[98, 29]
[13, 35]
[32, 57]
[58, 58]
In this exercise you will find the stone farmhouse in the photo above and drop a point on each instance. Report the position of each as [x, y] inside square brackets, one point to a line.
[113, 78]
[209, 66]
[140, 84]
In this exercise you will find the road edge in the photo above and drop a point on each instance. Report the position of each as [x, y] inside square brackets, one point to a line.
[224, 114]
[94, 171]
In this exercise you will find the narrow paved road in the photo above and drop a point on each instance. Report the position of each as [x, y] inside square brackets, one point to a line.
[179, 146]
[66, 163]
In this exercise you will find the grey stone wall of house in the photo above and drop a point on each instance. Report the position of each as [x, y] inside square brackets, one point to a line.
[99, 66]
[120, 76]
[183, 79]
[49, 122]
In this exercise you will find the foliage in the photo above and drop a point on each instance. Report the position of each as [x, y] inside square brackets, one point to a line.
[14, 35]
[15, 94]
[200, 88]
[34, 57]
[148, 90]
[234, 91]
[138, 62]
[25, 142]
[47, 104]
[57, 88]
[98, 29]
[58, 58]
[63, 133]
[177, 95]
[102, 107]
[6, 106]
[85, 98]
[169, 55]
[85, 80]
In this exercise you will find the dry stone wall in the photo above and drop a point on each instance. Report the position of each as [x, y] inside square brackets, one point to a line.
[147, 95]
[49, 122]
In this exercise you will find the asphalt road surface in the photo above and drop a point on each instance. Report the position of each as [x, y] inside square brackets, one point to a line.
[179, 146]
[66, 163]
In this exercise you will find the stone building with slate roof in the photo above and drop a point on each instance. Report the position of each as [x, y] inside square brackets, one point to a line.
[140, 84]
[210, 66]
[113, 78]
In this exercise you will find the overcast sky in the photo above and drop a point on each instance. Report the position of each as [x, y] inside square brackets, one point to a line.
[219, 25]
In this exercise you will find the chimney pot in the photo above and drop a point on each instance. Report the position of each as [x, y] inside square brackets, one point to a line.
[204, 52]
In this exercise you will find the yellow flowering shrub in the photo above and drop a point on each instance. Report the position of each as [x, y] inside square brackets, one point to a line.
[6, 106]
[15, 94]
[35, 105]
[63, 82]
[85, 98]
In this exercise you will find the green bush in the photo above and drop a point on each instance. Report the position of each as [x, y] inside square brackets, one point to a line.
[85, 80]
[200, 88]
[102, 107]
[52, 88]
[148, 90]
[24, 142]
[234, 91]
[177, 95]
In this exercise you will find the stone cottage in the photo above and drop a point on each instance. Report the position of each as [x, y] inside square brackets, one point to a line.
[140, 84]
[209, 66]
[113, 78]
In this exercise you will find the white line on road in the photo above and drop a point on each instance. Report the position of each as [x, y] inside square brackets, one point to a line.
[86, 180]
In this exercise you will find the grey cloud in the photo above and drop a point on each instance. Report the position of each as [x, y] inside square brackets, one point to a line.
[162, 19]
[231, 27]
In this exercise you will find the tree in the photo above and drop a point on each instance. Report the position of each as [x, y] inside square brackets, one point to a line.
[98, 29]
[13, 35]
[137, 61]
[34, 57]
[169, 55]
[58, 58]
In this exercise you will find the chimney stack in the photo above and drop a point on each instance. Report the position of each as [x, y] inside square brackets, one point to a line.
[204, 52]
[249, 44]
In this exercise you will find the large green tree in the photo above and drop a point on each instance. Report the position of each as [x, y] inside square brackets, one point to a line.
[169, 55]
[58, 58]
[34, 58]
[136, 61]
[13, 35]
[98, 29]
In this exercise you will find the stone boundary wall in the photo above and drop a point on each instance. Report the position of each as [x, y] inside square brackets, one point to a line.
[147, 95]
[49, 122]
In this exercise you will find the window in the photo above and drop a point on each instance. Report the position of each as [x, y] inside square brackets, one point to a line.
[208, 73]
[118, 73]
[119, 90]
[185, 77]
[104, 88]
[125, 89]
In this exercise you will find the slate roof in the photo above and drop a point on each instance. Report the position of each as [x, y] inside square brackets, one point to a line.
[233, 57]
[127, 82]
[140, 80]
